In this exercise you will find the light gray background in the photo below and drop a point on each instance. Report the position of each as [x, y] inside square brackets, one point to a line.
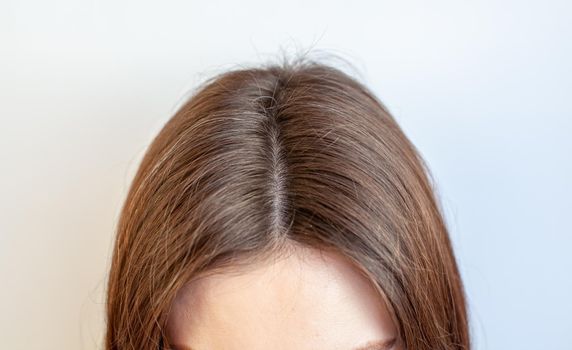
[483, 88]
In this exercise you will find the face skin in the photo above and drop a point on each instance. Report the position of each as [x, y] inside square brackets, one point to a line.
[308, 300]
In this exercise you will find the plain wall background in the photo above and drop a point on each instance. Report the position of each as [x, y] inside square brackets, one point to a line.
[482, 88]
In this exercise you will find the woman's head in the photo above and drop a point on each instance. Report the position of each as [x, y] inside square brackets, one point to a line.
[259, 172]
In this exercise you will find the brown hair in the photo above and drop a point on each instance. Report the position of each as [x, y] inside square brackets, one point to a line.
[262, 159]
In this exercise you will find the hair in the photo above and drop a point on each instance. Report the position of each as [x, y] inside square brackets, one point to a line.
[266, 158]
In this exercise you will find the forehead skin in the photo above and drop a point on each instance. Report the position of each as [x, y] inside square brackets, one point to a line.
[308, 300]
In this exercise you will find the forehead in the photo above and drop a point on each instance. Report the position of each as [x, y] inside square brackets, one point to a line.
[307, 300]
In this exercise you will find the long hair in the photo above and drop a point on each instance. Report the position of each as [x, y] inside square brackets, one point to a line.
[264, 158]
